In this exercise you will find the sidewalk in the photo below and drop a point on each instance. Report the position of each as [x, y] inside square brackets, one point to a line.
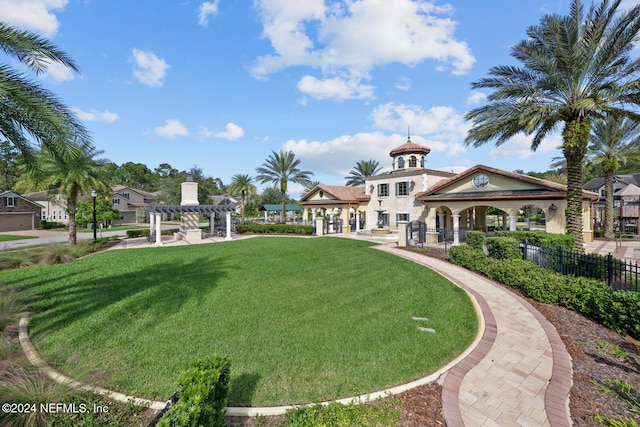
[519, 374]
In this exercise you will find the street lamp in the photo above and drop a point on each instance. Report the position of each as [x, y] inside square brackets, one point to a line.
[94, 194]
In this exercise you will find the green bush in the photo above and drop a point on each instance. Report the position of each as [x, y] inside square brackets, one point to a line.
[202, 395]
[136, 233]
[540, 238]
[47, 225]
[380, 412]
[476, 239]
[252, 228]
[504, 248]
[617, 310]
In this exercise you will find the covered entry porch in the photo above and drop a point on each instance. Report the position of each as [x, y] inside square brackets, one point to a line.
[461, 203]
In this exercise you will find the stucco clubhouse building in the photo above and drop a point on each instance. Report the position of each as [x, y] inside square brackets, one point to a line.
[411, 192]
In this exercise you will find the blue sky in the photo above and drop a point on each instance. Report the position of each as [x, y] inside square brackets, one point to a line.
[221, 84]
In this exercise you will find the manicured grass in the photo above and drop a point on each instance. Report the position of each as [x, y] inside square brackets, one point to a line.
[8, 237]
[301, 320]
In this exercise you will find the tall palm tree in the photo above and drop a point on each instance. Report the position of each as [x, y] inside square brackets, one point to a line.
[614, 141]
[311, 185]
[68, 177]
[243, 184]
[363, 169]
[279, 169]
[574, 68]
[30, 112]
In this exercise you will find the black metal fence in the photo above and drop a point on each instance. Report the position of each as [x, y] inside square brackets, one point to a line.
[441, 238]
[616, 273]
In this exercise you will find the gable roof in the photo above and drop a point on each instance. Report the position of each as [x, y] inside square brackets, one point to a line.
[9, 193]
[338, 193]
[544, 188]
[145, 194]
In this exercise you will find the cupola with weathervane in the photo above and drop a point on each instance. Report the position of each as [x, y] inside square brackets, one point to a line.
[409, 156]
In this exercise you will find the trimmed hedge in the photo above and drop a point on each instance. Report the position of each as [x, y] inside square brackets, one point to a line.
[202, 395]
[541, 238]
[617, 310]
[504, 248]
[476, 239]
[251, 228]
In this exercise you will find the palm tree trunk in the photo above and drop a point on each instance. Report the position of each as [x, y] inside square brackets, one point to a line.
[243, 206]
[608, 204]
[283, 190]
[574, 146]
[71, 210]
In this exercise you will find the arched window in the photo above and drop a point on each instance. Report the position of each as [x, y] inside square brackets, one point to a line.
[422, 161]
[413, 162]
[400, 162]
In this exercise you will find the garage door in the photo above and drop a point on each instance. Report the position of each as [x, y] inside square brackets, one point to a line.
[14, 222]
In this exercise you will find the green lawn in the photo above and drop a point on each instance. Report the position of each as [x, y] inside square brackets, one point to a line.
[8, 237]
[301, 320]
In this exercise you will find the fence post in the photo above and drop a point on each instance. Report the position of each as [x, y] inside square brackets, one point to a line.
[610, 270]
[560, 254]
[525, 248]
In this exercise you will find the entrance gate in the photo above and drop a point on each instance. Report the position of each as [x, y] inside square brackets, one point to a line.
[332, 226]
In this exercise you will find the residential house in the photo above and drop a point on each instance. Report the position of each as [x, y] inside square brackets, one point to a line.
[626, 197]
[131, 203]
[18, 212]
[53, 209]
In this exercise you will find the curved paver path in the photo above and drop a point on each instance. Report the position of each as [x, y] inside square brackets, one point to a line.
[519, 374]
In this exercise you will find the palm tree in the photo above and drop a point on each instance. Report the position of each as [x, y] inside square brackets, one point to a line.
[70, 178]
[363, 169]
[574, 69]
[279, 169]
[614, 141]
[244, 185]
[311, 185]
[29, 112]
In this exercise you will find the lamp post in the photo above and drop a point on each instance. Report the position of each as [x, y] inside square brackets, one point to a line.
[94, 194]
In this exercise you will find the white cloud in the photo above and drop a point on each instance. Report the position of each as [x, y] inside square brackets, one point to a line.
[404, 84]
[207, 8]
[172, 128]
[149, 69]
[232, 132]
[520, 146]
[335, 88]
[95, 116]
[476, 97]
[58, 72]
[351, 37]
[33, 15]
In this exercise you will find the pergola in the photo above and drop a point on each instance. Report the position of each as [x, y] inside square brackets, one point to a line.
[156, 212]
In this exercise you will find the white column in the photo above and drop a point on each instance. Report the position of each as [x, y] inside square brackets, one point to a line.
[228, 226]
[158, 229]
[456, 229]
[212, 222]
[512, 223]
[152, 217]
[265, 216]
[357, 221]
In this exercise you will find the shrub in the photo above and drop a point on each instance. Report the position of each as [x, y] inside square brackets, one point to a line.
[476, 239]
[617, 310]
[380, 412]
[60, 253]
[136, 233]
[202, 394]
[540, 238]
[251, 228]
[503, 248]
